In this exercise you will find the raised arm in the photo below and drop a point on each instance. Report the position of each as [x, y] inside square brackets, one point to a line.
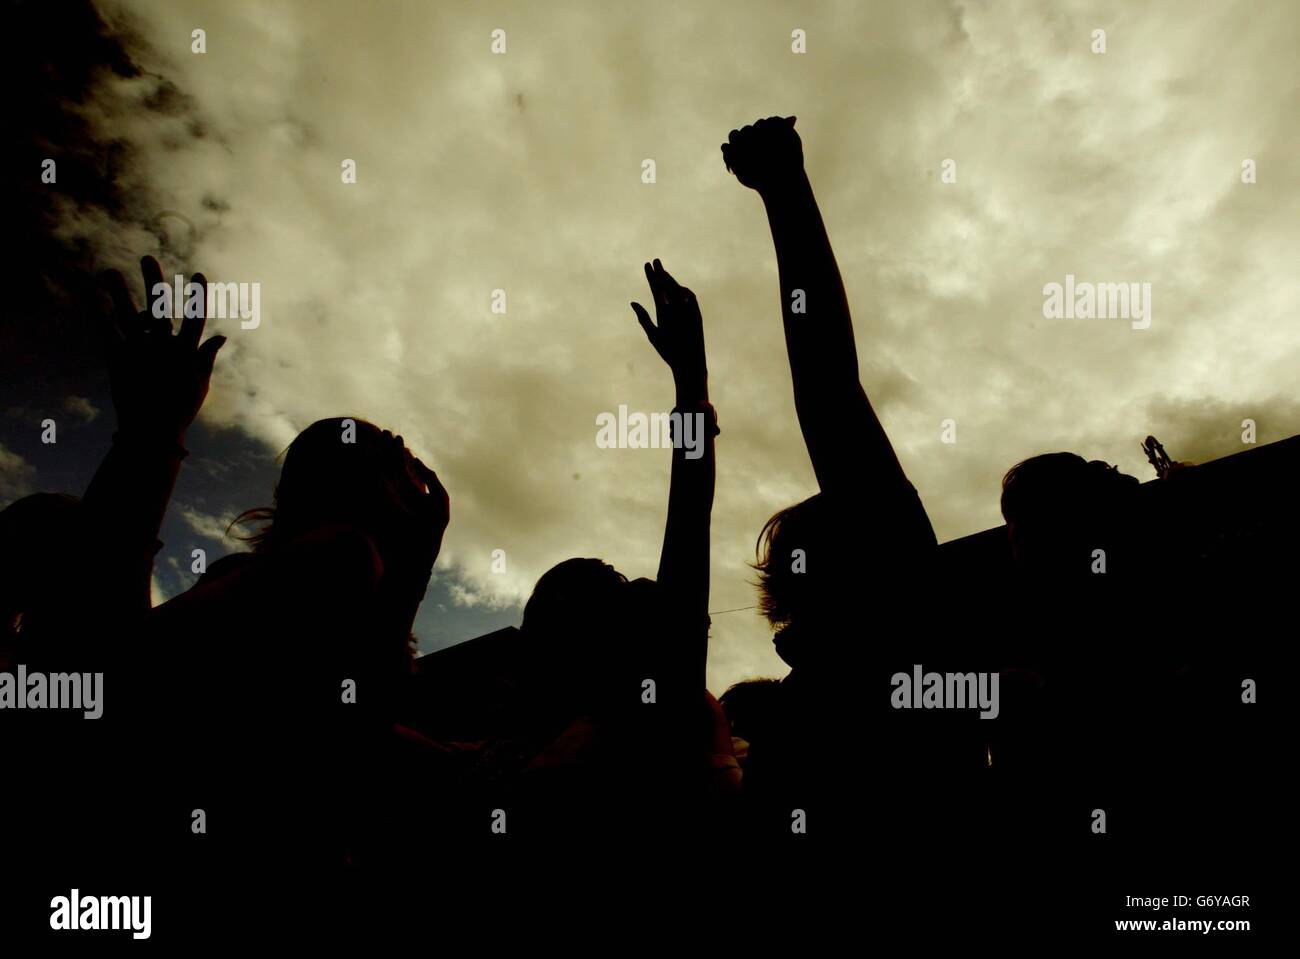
[684, 562]
[849, 449]
[159, 381]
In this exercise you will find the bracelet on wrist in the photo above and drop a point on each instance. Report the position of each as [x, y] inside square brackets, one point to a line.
[704, 407]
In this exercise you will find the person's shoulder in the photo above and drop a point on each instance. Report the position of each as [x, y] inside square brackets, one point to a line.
[339, 563]
[325, 559]
[226, 566]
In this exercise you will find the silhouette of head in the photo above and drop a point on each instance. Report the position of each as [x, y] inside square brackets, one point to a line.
[811, 569]
[1059, 507]
[588, 626]
[343, 471]
[42, 546]
[573, 606]
[751, 707]
[800, 559]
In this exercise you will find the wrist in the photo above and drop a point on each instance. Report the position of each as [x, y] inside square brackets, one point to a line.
[703, 408]
[169, 442]
[788, 187]
[692, 391]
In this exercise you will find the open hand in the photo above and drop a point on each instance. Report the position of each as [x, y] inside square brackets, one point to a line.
[679, 335]
[159, 380]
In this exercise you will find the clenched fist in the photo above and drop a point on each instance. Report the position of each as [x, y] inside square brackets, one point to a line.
[764, 155]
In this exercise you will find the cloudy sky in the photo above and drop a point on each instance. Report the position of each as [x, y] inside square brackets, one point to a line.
[522, 172]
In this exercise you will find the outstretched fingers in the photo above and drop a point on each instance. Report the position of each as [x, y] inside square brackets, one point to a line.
[667, 281]
[207, 354]
[643, 317]
[192, 326]
[656, 284]
[153, 279]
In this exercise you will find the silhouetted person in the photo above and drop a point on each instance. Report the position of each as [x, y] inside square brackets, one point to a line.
[75, 579]
[1060, 508]
[753, 711]
[41, 539]
[616, 755]
[830, 568]
[55, 610]
[1094, 580]
[287, 663]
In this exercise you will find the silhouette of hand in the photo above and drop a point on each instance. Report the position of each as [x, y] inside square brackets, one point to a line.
[435, 503]
[158, 380]
[410, 529]
[764, 155]
[424, 509]
[679, 337]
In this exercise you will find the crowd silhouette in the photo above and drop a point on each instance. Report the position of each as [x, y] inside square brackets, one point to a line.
[317, 760]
